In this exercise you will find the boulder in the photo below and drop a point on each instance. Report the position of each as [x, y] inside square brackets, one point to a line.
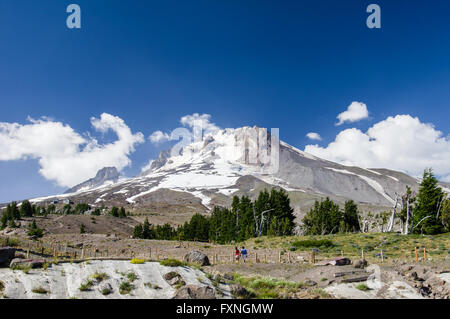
[195, 292]
[240, 292]
[340, 261]
[197, 257]
[6, 255]
[228, 276]
[174, 279]
[362, 263]
[19, 255]
[171, 275]
[25, 263]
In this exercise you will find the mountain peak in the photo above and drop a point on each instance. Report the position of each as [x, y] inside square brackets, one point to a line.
[106, 174]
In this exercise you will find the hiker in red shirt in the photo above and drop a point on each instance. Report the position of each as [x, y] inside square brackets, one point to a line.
[236, 254]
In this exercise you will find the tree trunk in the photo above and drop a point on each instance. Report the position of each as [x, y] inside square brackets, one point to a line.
[406, 232]
[394, 210]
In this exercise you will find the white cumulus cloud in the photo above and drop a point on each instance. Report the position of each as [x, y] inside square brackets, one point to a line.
[203, 119]
[65, 156]
[401, 143]
[355, 112]
[314, 136]
[159, 137]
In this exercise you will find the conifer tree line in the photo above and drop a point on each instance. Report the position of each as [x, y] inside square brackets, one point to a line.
[270, 214]
[424, 212]
[427, 212]
[12, 213]
[326, 217]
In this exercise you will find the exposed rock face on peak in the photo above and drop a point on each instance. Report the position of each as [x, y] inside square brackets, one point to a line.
[160, 162]
[106, 174]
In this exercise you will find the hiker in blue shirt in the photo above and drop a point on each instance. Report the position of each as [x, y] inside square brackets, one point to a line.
[244, 253]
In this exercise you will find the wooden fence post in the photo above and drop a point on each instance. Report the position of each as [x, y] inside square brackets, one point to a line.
[265, 258]
[424, 254]
[279, 257]
[382, 256]
[417, 255]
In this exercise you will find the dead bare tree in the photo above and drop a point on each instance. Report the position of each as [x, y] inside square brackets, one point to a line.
[443, 197]
[394, 211]
[409, 198]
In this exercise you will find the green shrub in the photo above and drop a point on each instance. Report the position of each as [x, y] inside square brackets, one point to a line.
[132, 276]
[86, 286]
[40, 290]
[125, 288]
[152, 286]
[106, 291]
[362, 287]
[99, 277]
[172, 263]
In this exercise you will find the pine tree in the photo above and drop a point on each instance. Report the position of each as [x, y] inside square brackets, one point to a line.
[122, 213]
[428, 202]
[324, 218]
[3, 221]
[350, 222]
[147, 230]
[15, 213]
[26, 210]
[138, 231]
[114, 212]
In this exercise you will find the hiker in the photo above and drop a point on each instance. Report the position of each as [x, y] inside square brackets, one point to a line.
[236, 254]
[244, 253]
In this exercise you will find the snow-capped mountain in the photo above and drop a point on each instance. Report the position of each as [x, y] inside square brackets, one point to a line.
[231, 162]
[106, 174]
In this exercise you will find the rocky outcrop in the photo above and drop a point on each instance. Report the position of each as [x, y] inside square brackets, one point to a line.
[240, 292]
[174, 279]
[197, 257]
[195, 292]
[104, 175]
[361, 264]
[6, 255]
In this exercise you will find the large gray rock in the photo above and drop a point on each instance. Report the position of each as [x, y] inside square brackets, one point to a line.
[32, 263]
[240, 292]
[195, 292]
[362, 263]
[197, 257]
[174, 279]
[6, 255]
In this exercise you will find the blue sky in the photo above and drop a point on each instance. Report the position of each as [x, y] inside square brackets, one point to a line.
[289, 64]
